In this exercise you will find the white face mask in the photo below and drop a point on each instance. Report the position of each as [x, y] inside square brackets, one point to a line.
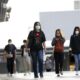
[25, 44]
[77, 32]
[10, 43]
[38, 28]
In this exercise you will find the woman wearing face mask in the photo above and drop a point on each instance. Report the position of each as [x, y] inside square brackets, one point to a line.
[75, 47]
[36, 43]
[58, 48]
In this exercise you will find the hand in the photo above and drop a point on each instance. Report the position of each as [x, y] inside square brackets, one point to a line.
[45, 50]
[14, 61]
[70, 49]
[28, 49]
[53, 48]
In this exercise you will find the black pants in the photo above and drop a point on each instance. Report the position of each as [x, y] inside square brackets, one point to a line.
[10, 65]
[59, 58]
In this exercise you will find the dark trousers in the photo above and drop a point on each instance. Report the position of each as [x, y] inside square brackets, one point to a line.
[37, 62]
[59, 58]
[10, 65]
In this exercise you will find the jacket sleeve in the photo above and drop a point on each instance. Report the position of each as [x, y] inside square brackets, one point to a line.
[53, 42]
[71, 42]
[21, 51]
[30, 37]
[63, 40]
[43, 37]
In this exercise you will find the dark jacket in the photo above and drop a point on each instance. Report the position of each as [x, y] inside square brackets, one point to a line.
[22, 50]
[35, 40]
[75, 43]
[10, 48]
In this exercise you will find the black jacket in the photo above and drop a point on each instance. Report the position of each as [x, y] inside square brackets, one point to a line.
[35, 40]
[75, 43]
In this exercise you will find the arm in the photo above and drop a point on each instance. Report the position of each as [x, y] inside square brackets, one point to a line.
[44, 46]
[63, 40]
[4, 56]
[43, 41]
[71, 44]
[29, 41]
[53, 42]
[21, 51]
[15, 53]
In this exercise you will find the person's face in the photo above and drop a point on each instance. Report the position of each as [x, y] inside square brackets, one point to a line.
[58, 34]
[37, 28]
[77, 31]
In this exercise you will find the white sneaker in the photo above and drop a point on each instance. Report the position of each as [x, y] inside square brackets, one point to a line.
[77, 74]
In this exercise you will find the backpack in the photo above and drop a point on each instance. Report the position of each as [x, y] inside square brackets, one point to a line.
[58, 46]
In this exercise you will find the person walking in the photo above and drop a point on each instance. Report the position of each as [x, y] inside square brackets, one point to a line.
[58, 48]
[75, 47]
[26, 61]
[10, 53]
[36, 43]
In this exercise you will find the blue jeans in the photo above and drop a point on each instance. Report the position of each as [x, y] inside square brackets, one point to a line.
[37, 62]
[77, 61]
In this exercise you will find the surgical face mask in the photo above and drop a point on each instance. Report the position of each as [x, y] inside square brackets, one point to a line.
[24, 43]
[10, 43]
[38, 28]
[77, 32]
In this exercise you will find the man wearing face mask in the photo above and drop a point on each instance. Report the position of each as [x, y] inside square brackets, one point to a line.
[75, 47]
[36, 43]
[10, 53]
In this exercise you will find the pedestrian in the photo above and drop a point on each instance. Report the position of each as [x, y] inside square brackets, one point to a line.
[10, 53]
[26, 61]
[36, 43]
[58, 48]
[75, 47]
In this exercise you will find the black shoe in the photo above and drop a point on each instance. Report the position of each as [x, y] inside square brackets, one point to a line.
[58, 75]
[35, 76]
[41, 75]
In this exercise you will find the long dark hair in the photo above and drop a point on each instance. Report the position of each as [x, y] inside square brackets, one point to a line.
[37, 24]
[77, 27]
[58, 30]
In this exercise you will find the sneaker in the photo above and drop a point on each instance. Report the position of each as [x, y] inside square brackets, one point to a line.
[35, 76]
[77, 74]
[41, 75]
[58, 75]
[61, 73]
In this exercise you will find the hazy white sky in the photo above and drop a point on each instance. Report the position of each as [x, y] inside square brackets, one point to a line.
[23, 15]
